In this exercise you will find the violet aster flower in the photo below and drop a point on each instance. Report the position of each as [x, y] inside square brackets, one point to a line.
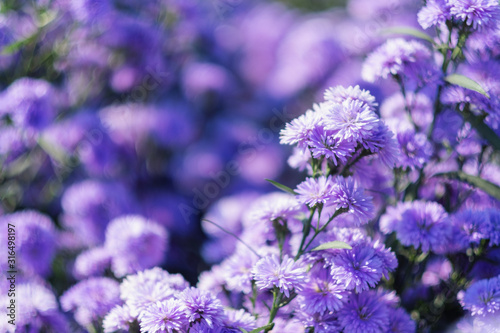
[92, 262]
[419, 224]
[91, 299]
[384, 144]
[434, 13]
[238, 271]
[236, 319]
[400, 322]
[286, 275]
[322, 293]
[202, 307]
[364, 313]
[358, 269]
[299, 129]
[118, 319]
[88, 206]
[164, 317]
[416, 149]
[437, 270]
[31, 103]
[494, 222]
[275, 205]
[87, 11]
[479, 14]
[326, 143]
[340, 94]
[347, 195]
[135, 243]
[39, 310]
[471, 226]
[150, 286]
[393, 111]
[313, 191]
[321, 322]
[400, 57]
[282, 325]
[299, 159]
[353, 120]
[388, 258]
[35, 241]
[483, 297]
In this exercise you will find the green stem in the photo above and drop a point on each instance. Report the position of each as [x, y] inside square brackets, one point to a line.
[277, 296]
[305, 233]
[318, 231]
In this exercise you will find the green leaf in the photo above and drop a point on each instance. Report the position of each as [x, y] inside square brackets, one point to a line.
[332, 245]
[482, 129]
[16, 46]
[410, 32]
[243, 330]
[282, 187]
[465, 82]
[480, 183]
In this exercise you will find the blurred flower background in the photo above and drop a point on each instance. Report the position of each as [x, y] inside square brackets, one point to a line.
[124, 122]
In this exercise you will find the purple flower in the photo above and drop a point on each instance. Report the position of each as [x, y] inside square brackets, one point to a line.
[416, 149]
[30, 103]
[274, 206]
[135, 244]
[382, 142]
[238, 271]
[88, 207]
[87, 11]
[326, 143]
[299, 159]
[39, 309]
[358, 269]
[148, 287]
[339, 94]
[118, 319]
[202, 307]
[400, 57]
[400, 322]
[434, 13]
[322, 293]
[347, 195]
[286, 275]
[479, 14]
[353, 120]
[35, 241]
[364, 313]
[313, 191]
[92, 262]
[420, 224]
[494, 233]
[471, 226]
[164, 317]
[394, 114]
[320, 322]
[299, 129]
[91, 299]
[236, 319]
[483, 297]
[436, 270]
